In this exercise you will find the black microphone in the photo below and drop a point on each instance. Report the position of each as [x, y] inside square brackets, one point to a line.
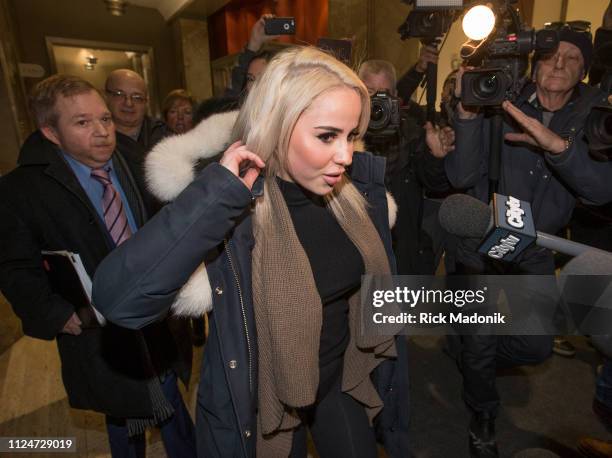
[506, 229]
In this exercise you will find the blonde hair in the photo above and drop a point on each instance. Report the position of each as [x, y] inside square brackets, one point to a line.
[291, 82]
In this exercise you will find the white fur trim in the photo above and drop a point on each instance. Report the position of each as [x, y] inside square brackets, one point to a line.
[169, 167]
[392, 209]
[195, 297]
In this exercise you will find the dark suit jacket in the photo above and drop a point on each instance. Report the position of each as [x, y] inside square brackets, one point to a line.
[135, 152]
[43, 207]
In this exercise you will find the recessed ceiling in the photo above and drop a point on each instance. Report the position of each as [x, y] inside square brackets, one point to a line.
[203, 8]
[170, 8]
[167, 8]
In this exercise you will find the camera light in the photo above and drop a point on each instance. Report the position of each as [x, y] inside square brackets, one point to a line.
[478, 22]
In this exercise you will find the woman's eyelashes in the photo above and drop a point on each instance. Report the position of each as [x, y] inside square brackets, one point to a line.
[328, 137]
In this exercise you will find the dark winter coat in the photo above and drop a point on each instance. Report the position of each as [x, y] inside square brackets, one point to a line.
[210, 221]
[43, 207]
[550, 183]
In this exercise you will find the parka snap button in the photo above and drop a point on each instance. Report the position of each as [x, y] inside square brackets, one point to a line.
[219, 290]
[247, 433]
[233, 364]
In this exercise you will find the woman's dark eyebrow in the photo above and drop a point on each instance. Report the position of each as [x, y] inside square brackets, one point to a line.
[333, 129]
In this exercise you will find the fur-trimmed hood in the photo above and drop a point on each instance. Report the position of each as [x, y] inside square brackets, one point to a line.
[171, 166]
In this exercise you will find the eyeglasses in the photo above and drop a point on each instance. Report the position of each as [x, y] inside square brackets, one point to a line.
[576, 26]
[134, 98]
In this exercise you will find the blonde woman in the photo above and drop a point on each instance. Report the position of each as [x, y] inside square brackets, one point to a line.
[272, 242]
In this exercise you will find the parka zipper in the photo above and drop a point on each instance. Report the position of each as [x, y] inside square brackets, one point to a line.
[244, 320]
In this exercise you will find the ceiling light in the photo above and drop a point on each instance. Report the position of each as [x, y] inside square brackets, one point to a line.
[116, 7]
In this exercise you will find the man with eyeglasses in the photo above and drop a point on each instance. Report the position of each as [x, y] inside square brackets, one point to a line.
[137, 133]
[542, 129]
[126, 94]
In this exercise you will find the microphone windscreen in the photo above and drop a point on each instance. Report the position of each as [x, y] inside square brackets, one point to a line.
[465, 216]
[589, 263]
[591, 292]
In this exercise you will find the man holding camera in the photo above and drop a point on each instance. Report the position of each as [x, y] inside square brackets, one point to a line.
[544, 124]
[415, 161]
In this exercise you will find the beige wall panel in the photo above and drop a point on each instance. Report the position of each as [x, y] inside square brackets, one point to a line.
[373, 24]
[196, 57]
[388, 16]
[9, 143]
[349, 19]
[546, 11]
[589, 10]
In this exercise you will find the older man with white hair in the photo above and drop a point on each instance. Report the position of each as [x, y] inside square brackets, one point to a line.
[543, 132]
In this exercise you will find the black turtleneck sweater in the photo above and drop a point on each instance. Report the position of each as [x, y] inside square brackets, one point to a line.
[337, 267]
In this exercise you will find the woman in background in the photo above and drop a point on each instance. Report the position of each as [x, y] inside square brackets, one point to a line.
[177, 111]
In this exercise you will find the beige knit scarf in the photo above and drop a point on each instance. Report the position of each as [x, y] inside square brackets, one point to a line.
[288, 316]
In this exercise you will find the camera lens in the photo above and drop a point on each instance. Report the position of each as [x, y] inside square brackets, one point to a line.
[486, 86]
[601, 126]
[599, 132]
[427, 21]
[607, 126]
[377, 112]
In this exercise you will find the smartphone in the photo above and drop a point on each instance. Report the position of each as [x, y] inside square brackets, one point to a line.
[280, 26]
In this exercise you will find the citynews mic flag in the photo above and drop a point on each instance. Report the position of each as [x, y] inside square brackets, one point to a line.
[512, 229]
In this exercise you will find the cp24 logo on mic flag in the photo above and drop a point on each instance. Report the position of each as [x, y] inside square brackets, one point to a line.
[511, 230]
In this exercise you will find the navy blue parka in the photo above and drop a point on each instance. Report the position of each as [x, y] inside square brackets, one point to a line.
[211, 221]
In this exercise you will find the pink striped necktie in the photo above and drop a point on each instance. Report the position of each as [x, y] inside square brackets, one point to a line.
[114, 213]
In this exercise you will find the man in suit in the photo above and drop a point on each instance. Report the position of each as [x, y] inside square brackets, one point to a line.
[73, 191]
[126, 95]
[136, 132]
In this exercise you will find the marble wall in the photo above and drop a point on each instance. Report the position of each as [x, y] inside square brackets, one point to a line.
[196, 65]
[14, 120]
[373, 25]
[387, 16]
[348, 19]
